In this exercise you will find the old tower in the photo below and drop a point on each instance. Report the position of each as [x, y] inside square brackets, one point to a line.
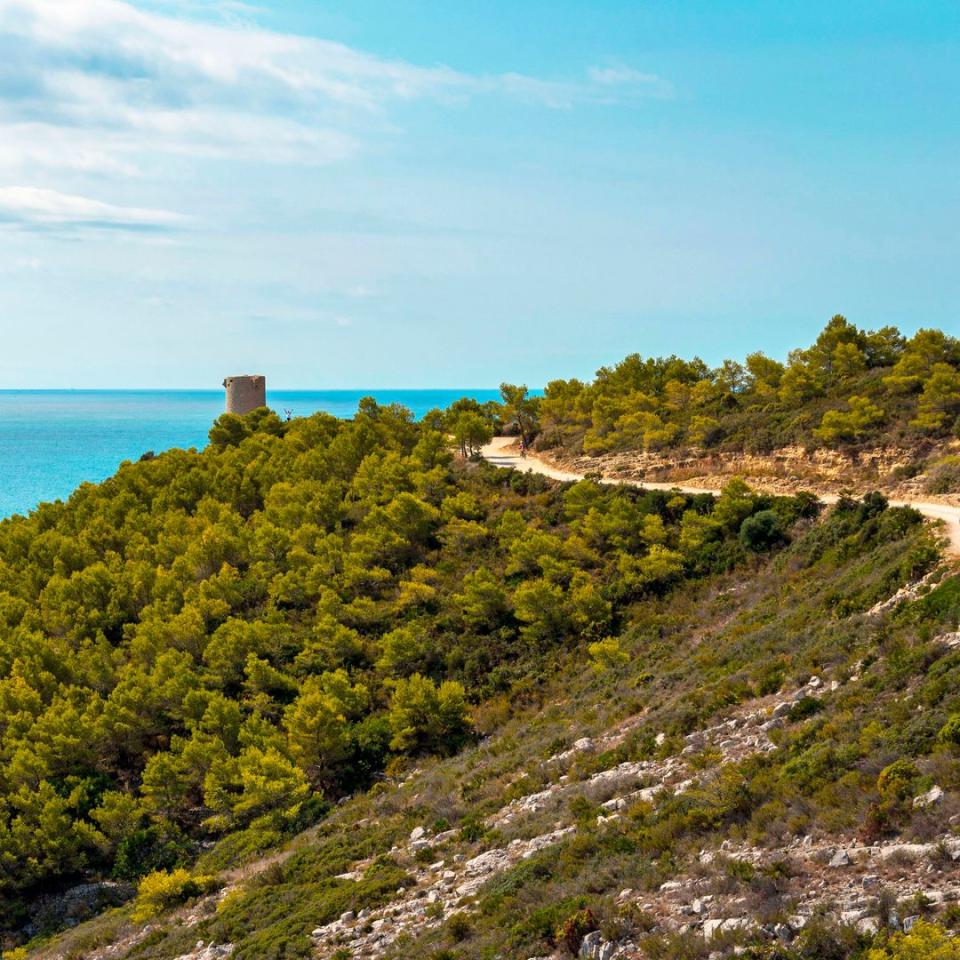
[245, 393]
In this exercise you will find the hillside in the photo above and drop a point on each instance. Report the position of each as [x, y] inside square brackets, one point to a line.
[324, 690]
[867, 407]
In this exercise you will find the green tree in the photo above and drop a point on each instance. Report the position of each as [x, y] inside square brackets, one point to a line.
[424, 716]
[317, 732]
[482, 601]
[520, 408]
[922, 352]
[764, 375]
[654, 571]
[267, 780]
[539, 605]
[403, 651]
[939, 403]
[853, 424]
[470, 432]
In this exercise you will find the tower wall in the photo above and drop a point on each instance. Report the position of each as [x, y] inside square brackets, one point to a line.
[245, 393]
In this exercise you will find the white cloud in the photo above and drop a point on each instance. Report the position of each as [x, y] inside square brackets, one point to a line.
[103, 86]
[45, 209]
[621, 75]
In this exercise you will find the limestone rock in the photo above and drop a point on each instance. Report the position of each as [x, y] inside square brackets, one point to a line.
[589, 944]
[932, 796]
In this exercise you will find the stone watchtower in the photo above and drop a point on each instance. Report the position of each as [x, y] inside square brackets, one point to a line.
[245, 393]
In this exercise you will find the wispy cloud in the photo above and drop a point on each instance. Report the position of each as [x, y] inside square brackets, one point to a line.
[97, 85]
[35, 208]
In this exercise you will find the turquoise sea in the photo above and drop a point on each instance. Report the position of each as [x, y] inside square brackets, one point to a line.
[53, 440]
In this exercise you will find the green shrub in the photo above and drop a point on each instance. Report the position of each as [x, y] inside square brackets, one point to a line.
[149, 850]
[950, 731]
[896, 781]
[944, 476]
[472, 828]
[161, 891]
[458, 927]
[762, 531]
[805, 707]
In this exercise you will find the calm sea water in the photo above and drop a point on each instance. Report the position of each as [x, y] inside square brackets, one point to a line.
[53, 440]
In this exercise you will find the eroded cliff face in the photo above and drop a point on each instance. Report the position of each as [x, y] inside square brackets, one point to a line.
[786, 470]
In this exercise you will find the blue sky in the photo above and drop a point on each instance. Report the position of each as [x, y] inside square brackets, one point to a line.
[366, 194]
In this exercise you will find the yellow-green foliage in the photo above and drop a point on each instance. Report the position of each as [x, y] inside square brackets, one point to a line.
[161, 891]
[925, 941]
[606, 654]
[852, 424]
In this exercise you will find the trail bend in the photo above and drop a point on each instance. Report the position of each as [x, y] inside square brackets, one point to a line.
[502, 452]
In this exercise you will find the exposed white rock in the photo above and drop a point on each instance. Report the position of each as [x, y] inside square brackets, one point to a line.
[209, 952]
[589, 944]
[932, 796]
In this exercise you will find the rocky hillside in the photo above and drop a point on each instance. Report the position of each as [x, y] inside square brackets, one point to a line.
[766, 761]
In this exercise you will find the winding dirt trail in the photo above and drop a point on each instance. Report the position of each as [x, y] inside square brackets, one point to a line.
[503, 452]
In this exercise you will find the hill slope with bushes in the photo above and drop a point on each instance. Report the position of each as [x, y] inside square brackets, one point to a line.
[852, 389]
[216, 646]
[323, 690]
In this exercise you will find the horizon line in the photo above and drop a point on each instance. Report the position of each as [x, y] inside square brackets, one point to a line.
[215, 390]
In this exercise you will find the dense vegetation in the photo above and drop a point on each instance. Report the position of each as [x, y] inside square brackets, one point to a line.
[213, 646]
[264, 663]
[851, 387]
[847, 762]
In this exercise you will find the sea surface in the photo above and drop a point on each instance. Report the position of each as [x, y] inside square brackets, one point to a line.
[53, 440]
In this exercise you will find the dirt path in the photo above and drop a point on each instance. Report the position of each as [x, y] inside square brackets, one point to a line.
[503, 452]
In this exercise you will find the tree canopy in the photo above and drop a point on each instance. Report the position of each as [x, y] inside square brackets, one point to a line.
[225, 641]
[852, 386]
